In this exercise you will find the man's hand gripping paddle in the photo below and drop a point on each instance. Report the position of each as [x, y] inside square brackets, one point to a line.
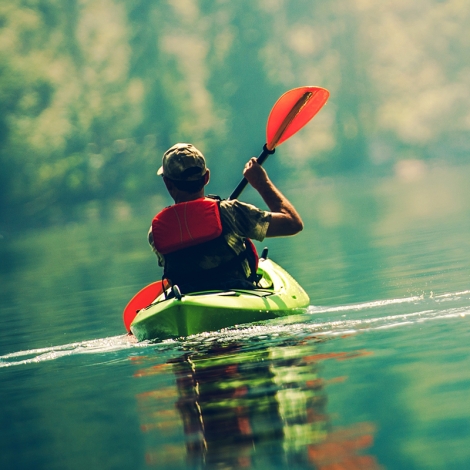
[292, 111]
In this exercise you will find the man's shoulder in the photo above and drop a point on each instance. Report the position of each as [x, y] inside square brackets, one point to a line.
[234, 204]
[237, 210]
[243, 219]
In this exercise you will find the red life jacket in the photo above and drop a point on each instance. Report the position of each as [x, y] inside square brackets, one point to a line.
[186, 224]
[186, 234]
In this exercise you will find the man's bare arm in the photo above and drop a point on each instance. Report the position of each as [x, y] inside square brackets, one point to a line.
[285, 219]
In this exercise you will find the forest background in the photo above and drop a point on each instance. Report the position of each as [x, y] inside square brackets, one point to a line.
[93, 92]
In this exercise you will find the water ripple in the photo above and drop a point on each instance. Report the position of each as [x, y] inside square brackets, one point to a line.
[318, 321]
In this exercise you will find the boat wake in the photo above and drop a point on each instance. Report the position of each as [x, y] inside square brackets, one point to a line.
[104, 345]
[319, 321]
[393, 313]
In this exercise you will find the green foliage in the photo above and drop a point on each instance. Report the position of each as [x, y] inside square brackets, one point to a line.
[92, 93]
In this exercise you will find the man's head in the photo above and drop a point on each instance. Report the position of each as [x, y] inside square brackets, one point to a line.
[185, 167]
[183, 162]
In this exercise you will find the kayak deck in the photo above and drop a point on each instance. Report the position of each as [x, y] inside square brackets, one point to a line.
[194, 313]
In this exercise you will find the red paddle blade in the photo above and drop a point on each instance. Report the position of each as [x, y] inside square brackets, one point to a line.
[142, 299]
[292, 111]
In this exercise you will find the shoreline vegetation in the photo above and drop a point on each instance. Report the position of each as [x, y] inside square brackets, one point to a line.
[88, 105]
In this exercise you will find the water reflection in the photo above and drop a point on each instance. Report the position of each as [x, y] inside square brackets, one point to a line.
[247, 406]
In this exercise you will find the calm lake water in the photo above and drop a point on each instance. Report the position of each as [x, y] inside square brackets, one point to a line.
[374, 375]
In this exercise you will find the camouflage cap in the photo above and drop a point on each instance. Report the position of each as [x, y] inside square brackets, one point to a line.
[183, 162]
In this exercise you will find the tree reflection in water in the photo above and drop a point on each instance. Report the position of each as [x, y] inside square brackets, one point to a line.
[247, 406]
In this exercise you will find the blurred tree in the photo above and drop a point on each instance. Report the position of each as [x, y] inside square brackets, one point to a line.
[91, 93]
[351, 97]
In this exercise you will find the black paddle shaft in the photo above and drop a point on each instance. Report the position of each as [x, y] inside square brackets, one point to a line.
[242, 184]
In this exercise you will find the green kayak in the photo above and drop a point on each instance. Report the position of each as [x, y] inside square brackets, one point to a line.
[279, 294]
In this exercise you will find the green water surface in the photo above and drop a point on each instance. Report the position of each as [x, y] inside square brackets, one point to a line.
[375, 374]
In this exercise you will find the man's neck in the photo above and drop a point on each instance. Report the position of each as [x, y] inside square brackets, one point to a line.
[186, 197]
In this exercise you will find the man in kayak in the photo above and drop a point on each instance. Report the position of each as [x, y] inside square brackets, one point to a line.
[205, 243]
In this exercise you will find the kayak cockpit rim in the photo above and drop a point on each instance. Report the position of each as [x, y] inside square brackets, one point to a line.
[221, 293]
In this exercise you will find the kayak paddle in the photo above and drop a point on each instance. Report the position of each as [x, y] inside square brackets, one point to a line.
[292, 111]
[142, 299]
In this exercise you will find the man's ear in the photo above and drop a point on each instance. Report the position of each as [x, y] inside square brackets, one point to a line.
[207, 177]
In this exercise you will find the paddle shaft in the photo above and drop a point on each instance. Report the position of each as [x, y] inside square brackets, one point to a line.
[301, 102]
[242, 184]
